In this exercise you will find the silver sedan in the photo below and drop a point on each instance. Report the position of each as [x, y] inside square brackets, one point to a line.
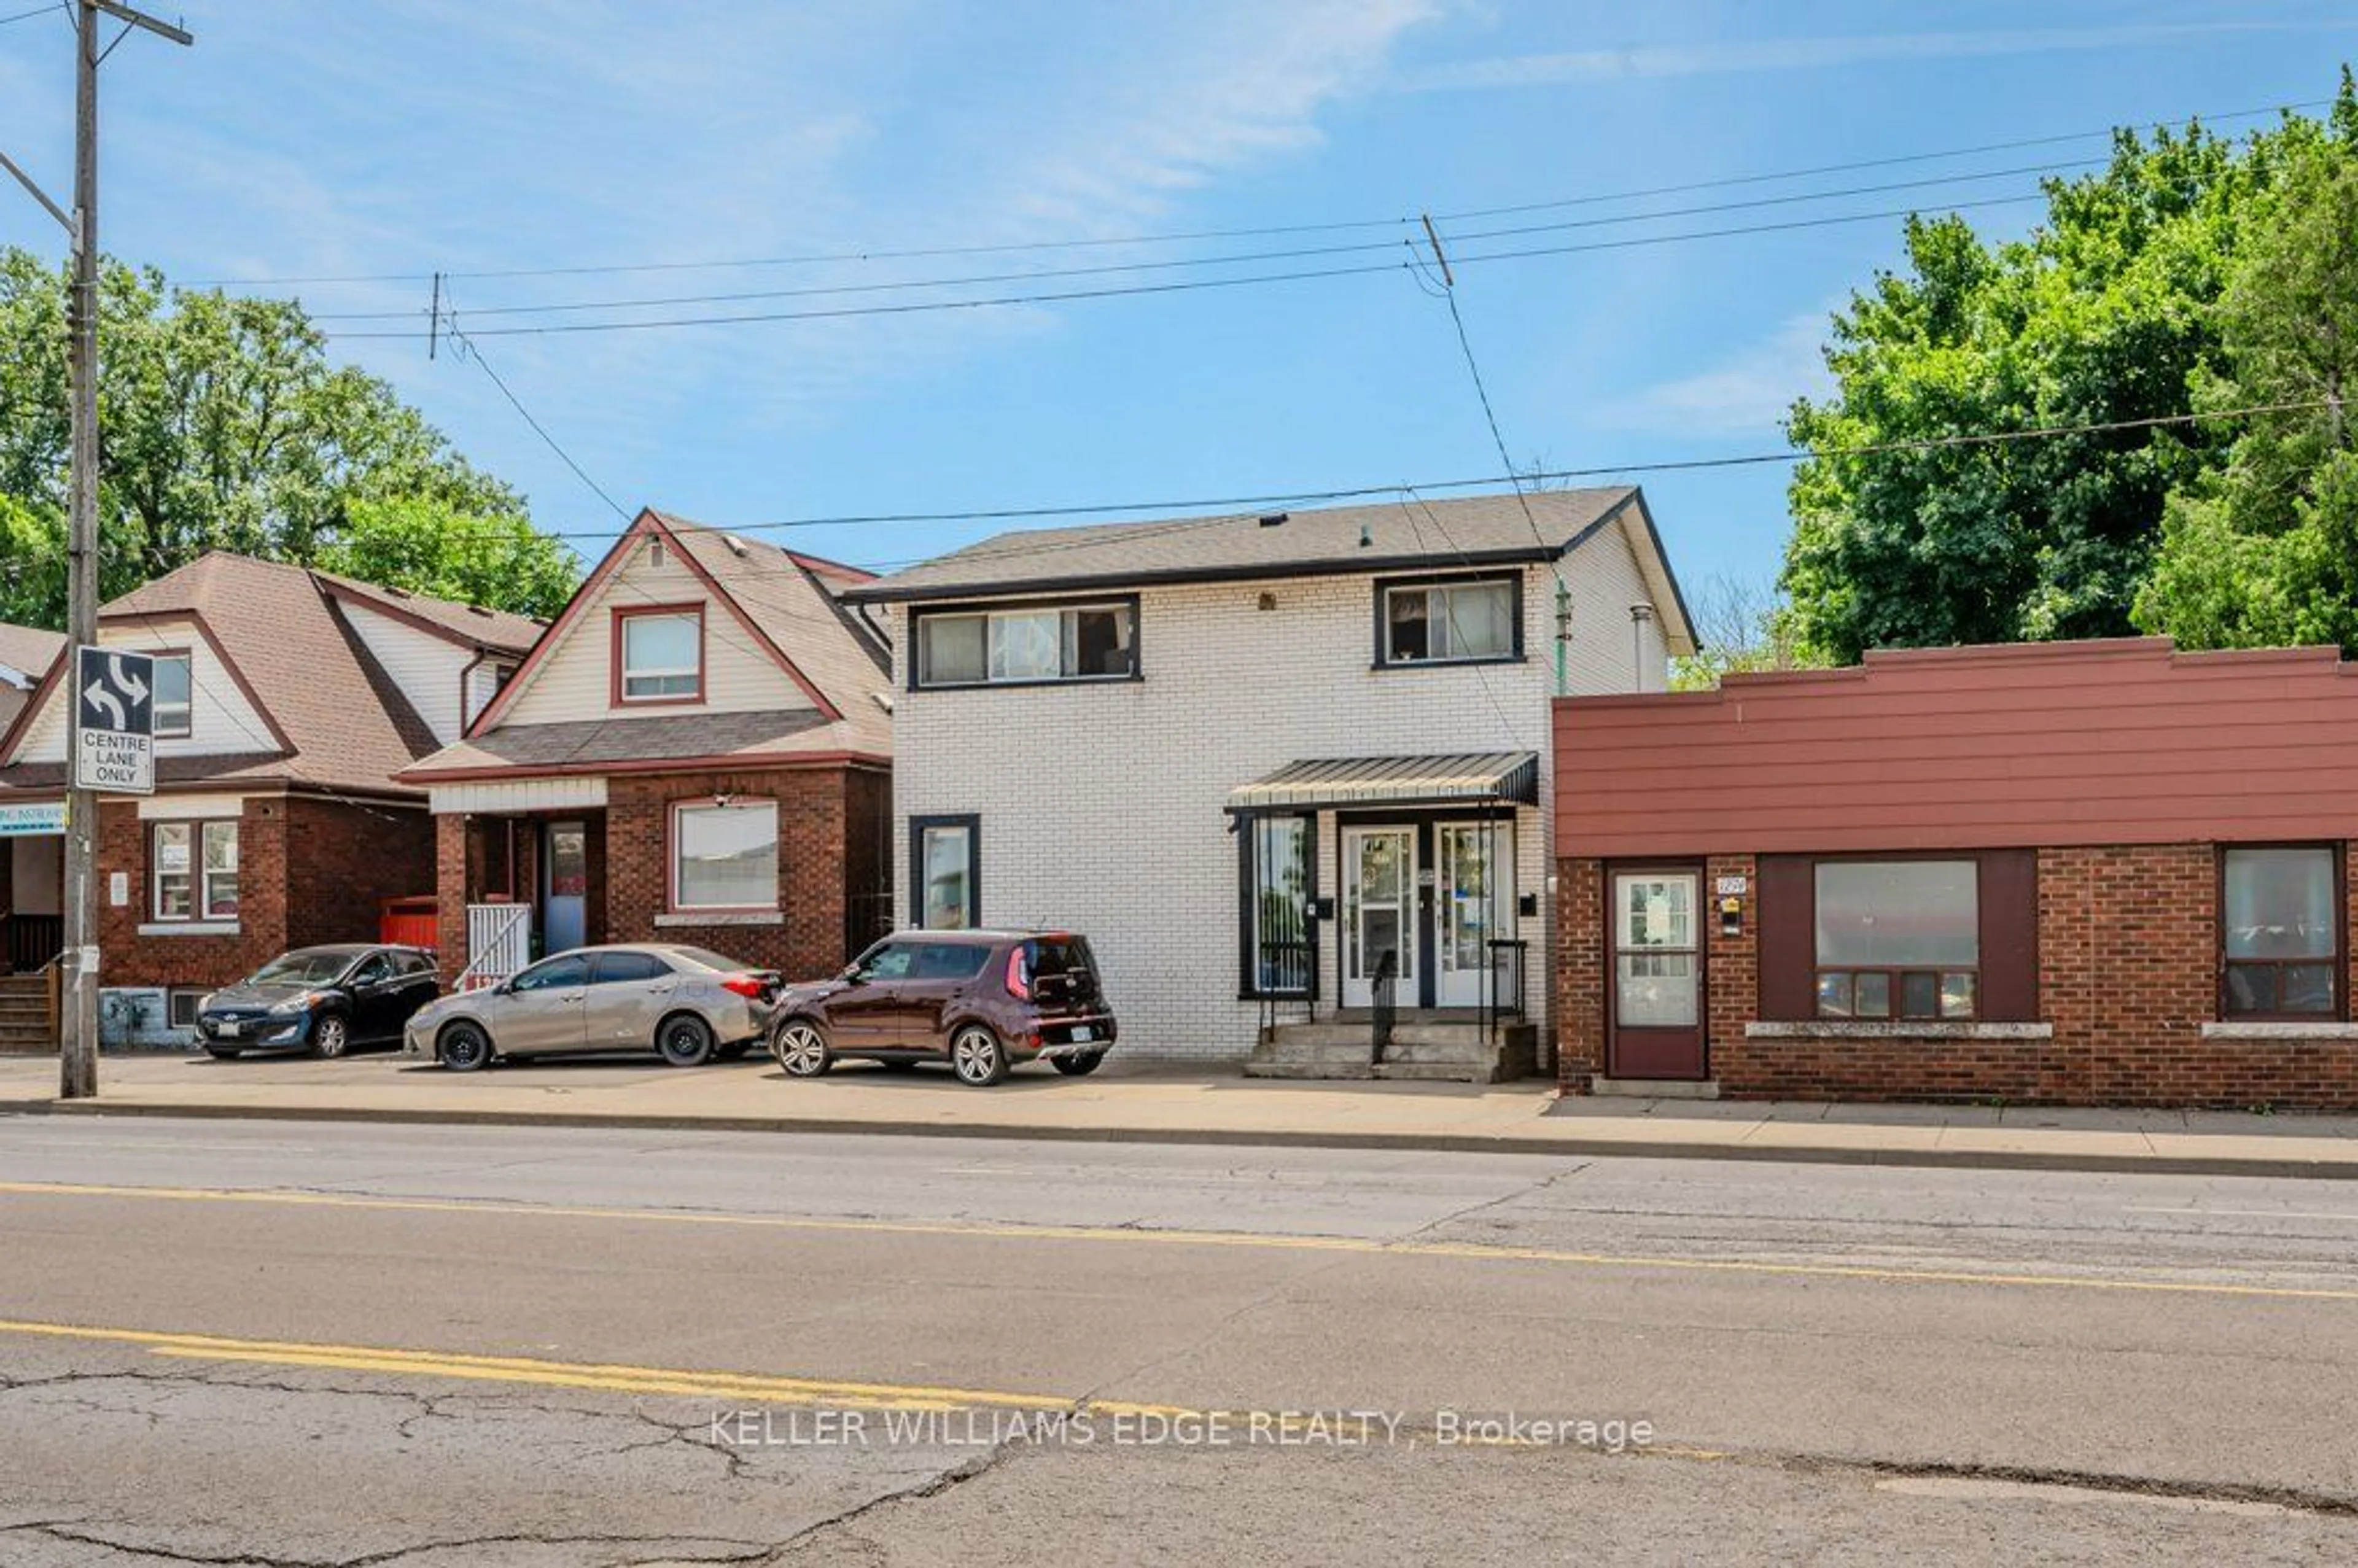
[686, 1004]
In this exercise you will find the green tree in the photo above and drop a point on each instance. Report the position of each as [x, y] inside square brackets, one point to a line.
[2109, 312]
[224, 427]
[429, 548]
[2264, 549]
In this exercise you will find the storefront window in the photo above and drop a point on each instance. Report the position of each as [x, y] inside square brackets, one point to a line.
[1898, 939]
[2281, 933]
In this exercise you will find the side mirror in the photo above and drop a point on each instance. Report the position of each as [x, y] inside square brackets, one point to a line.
[852, 974]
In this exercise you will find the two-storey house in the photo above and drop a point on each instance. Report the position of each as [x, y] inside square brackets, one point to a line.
[285, 700]
[698, 750]
[1290, 773]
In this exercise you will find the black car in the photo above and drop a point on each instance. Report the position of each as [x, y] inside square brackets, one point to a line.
[323, 999]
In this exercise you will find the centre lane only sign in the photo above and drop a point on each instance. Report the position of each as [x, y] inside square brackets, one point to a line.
[115, 721]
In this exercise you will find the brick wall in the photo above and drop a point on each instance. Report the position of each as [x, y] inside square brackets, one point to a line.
[343, 861]
[2127, 977]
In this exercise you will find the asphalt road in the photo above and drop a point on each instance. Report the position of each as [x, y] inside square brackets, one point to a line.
[289, 1343]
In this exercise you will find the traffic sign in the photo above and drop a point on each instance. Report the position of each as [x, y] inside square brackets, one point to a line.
[115, 721]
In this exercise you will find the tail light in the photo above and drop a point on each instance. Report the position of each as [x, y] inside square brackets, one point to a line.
[1019, 975]
[748, 986]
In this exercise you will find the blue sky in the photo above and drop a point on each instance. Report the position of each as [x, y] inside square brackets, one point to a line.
[300, 140]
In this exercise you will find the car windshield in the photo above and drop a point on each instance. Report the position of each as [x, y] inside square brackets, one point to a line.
[711, 960]
[312, 966]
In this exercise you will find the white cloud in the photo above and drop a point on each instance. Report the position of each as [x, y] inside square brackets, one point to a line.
[1747, 395]
[1753, 55]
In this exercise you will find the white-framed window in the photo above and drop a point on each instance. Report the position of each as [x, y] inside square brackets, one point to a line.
[1016, 646]
[724, 855]
[1449, 623]
[659, 656]
[180, 1009]
[171, 706]
[947, 864]
[194, 869]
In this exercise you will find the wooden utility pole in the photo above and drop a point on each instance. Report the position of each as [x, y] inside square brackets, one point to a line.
[78, 1025]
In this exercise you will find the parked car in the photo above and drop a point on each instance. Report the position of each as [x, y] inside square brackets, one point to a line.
[323, 1000]
[979, 1000]
[686, 1004]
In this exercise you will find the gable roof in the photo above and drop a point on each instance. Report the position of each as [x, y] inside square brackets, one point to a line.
[781, 603]
[333, 716]
[28, 650]
[1475, 530]
[469, 625]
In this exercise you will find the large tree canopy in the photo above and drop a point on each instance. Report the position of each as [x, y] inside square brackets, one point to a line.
[224, 426]
[2192, 274]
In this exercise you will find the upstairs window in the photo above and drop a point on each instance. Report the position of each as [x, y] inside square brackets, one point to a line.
[171, 707]
[1448, 622]
[658, 655]
[2281, 931]
[1021, 646]
[1899, 939]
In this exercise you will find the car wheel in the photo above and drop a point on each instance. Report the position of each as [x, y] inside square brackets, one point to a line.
[978, 1057]
[684, 1041]
[801, 1049]
[466, 1048]
[1079, 1067]
[223, 1053]
[331, 1036]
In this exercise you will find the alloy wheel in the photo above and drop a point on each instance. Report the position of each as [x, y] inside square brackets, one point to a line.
[801, 1050]
[978, 1058]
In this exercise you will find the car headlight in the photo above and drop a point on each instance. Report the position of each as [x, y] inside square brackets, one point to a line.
[296, 1006]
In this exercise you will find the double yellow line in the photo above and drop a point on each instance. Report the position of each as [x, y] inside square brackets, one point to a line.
[1350, 1245]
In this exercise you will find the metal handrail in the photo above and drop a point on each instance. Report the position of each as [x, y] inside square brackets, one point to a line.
[1509, 1001]
[1385, 987]
[1285, 972]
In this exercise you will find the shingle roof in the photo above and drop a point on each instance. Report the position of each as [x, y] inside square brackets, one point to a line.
[29, 649]
[1483, 528]
[590, 743]
[471, 623]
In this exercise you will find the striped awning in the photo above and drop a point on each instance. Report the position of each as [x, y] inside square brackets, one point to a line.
[1498, 777]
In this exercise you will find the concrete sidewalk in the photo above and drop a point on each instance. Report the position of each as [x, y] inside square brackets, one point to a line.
[1144, 1102]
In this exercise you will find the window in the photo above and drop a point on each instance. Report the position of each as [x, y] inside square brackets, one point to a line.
[1053, 643]
[180, 1009]
[195, 866]
[374, 968]
[1448, 622]
[725, 855]
[945, 862]
[622, 969]
[556, 974]
[2281, 931]
[658, 655]
[1899, 939]
[483, 682]
[949, 960]
[170, 706]
[888, 961]
[1276, 911]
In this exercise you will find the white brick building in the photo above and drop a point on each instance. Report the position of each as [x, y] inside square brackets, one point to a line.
[1082, 716]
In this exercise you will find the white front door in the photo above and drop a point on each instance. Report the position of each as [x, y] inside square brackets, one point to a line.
[1474, 904]
[1378, 912]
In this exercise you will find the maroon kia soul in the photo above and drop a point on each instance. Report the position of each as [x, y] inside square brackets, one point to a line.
[981, 1000]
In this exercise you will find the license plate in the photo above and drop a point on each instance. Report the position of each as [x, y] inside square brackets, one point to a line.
[228, 1031]
[1082, 1035]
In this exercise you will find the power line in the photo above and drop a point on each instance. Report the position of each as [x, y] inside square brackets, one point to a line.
[1236, 259]
[1187, 286]
[1258, 231]
[29, 16]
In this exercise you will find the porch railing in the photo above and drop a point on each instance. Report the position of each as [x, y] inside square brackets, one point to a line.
[33, 940]
[1285, 975]
[1384, 988]
[1502, 996]
[499, 943]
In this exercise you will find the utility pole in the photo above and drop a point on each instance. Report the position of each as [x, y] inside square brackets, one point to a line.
[77, 1044]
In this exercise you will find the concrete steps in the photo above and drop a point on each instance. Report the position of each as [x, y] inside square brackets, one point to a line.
[1423, 1050]
[25, 1016]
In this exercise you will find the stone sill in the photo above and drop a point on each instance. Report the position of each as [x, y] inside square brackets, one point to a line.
[190, 928]
[678, 919]
[1919, 1029]
[2285, 1029]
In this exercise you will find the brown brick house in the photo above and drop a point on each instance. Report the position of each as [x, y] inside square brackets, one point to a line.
[699, 750]
[286, 700]
[2093, 873]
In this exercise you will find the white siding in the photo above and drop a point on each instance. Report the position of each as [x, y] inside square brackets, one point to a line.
[222, 722]
[575, 679]
[1101, 805]
[426, 668]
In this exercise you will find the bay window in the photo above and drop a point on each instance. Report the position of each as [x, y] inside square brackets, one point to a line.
[2280, 932]
[724, 855]
[1027, 645]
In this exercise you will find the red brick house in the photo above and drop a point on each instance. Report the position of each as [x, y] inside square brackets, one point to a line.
[699, 750]
[286, 700]
[2093, 873]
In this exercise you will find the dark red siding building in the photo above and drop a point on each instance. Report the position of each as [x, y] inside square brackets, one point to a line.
[2091, 873]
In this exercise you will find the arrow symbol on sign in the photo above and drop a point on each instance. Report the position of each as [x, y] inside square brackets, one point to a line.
[124, 680]
[97, 695]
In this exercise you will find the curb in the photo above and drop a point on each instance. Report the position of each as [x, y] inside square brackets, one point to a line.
[1436, 1142]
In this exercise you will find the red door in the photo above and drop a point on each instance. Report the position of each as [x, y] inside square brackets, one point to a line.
[1655, 986]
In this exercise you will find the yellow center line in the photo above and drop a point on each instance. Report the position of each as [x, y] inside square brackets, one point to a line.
[1358, 1246]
